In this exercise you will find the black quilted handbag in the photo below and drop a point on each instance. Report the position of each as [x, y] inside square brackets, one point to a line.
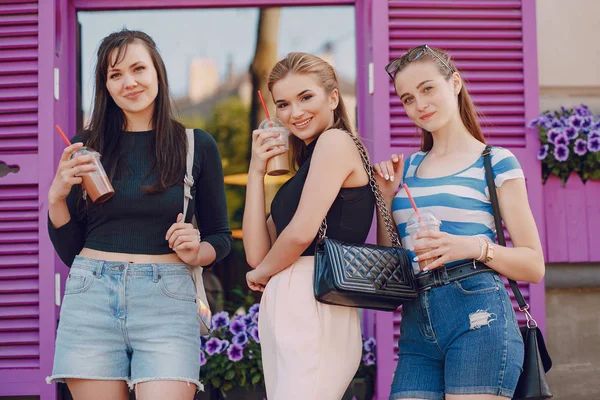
[363, 275]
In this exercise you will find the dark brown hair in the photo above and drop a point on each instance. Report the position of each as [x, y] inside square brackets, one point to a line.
[303, 63]
[108, 120]
[468, 114]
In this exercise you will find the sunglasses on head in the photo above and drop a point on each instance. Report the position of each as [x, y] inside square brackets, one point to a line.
[413, 55]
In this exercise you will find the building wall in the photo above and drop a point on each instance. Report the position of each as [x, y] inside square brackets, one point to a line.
[568, 53]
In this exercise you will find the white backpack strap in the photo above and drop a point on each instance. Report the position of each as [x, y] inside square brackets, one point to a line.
[188, 181]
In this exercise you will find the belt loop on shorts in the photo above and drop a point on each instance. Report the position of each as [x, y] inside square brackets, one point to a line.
[444, 276]
[440, 277]
[155, 275]
[99, 268]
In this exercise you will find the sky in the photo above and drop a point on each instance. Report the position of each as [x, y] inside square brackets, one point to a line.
[220, 33]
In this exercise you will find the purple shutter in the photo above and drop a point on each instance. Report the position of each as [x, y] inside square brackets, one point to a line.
[493, 45]
[21, 361]
[19, 281]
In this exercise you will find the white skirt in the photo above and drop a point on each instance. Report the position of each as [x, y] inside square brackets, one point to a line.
[310, 350]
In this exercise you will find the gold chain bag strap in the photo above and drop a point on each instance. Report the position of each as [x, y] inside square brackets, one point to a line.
[364, 275]
[204, 313]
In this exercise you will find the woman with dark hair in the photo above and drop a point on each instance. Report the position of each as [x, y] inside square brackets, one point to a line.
[310, 350]
[459, 339]
[129, 316]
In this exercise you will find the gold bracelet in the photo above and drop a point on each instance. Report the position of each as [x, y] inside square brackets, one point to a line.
[489, 254]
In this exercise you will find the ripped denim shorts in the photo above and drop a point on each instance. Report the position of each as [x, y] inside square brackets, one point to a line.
[129, 322]
[460, 338]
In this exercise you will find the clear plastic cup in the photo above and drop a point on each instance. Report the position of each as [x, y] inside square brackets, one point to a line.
[279, 164]
[95, 183]
[428, 222]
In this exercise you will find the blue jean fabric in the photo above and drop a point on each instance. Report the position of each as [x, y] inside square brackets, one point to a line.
[460, 338]
[129, 322]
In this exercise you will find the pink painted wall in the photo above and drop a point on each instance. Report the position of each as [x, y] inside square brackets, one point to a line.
[572, 215]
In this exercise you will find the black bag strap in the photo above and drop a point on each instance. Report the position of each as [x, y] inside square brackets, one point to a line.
[489, 176]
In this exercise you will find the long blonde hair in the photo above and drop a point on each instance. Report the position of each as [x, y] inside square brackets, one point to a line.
[304, 63]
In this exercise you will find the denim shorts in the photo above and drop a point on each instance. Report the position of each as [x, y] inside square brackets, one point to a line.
[130, 322]
[460, 338]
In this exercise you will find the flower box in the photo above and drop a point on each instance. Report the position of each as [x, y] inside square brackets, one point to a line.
[572, 218]
[570, 158]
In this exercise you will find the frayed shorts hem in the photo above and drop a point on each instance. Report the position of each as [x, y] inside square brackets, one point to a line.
[496, 391]
[417, 394]
[199, 386]
[130, 383]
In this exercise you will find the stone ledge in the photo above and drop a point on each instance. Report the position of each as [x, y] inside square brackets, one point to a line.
[572, 275]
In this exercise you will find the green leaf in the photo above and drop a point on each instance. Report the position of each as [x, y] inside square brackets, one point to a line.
[216, 382]
[227, 386]
[230, 375]
[255, 379]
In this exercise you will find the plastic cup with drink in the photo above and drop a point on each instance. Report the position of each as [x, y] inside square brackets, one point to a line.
[95, 183]
[418, 222]
[279, 164]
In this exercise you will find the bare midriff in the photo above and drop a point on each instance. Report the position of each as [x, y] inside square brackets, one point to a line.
[130, 258]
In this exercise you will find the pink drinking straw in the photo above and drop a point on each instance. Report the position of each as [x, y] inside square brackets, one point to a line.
[63, 135]
[412, 201]
[263, 104]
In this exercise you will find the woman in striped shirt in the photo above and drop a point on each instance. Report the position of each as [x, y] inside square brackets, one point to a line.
[460, 338]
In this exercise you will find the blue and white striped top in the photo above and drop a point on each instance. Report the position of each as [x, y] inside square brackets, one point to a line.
[460, 201]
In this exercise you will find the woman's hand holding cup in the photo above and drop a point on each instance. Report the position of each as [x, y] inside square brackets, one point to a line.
[265, 145]
[68, 173]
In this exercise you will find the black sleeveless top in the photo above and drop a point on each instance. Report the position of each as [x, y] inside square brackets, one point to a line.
[349, 218]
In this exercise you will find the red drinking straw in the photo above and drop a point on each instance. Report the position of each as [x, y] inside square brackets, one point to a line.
[63, 135]
[412, 201]
[263, 104]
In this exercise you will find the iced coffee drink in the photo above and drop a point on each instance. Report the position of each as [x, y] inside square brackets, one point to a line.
[279, 164]
[95, 183]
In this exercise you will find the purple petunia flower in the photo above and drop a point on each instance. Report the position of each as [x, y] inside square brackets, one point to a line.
[220, 320]
[202, 358]
[561, 140]
[576, 121]
[254, 309]
[224, 345]
[593, 134]
[369, 359]
[235, 353]
[561, 153]
[557, 124]
[596, 125]
[240, 339]
[580, 147]
[582, 110]
[369, 344]
[542, 152]
[587, 122]
[213, 346]
[237, 326]
[255, 319]
[254, 334]
[535, 122]
[593, 145]
[203, 340]
[247, 320]
[553, 133]
[571, 133]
